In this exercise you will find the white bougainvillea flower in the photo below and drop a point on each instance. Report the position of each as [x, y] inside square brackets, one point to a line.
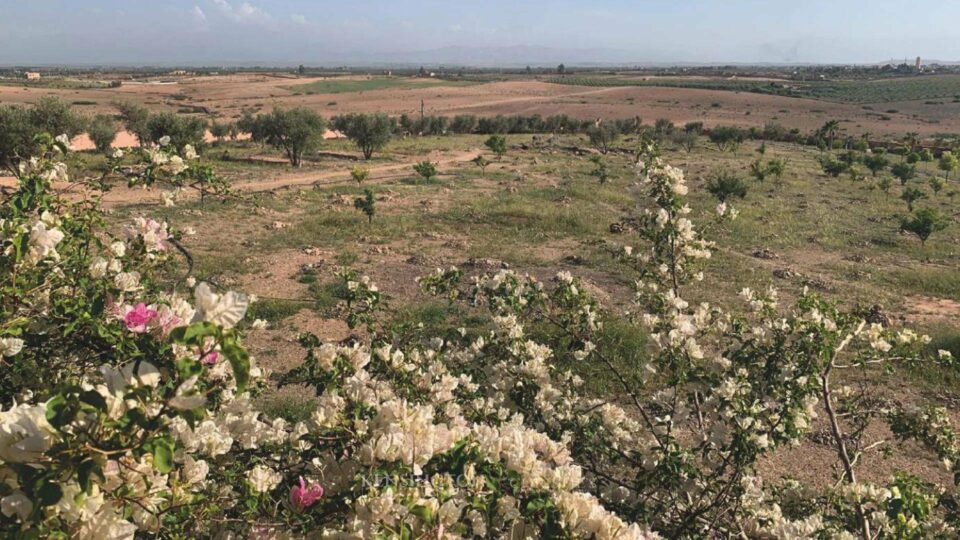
[25, 433]
[44, 240]
[263, 479]
[10, 346]
[165, 140]
[118, 380]
[16, 504]
[226, 309]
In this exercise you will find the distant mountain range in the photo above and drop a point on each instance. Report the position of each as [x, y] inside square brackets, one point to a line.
[516, 56]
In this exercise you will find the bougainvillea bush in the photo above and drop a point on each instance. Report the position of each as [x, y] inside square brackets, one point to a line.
[126, 396]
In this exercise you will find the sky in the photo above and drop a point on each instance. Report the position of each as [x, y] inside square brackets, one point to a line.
[333, 32]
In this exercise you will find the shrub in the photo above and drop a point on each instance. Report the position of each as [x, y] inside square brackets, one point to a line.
[600, 171]
[425, 169]
[831, 165]
[366, 204]
[359, 175]
[725, 185]
[128, 409]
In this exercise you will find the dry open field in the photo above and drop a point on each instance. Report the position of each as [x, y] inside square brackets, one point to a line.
[227, 96]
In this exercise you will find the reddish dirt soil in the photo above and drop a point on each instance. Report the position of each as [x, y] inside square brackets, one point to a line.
[227, 96]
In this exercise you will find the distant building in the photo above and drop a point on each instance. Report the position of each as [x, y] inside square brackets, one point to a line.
[919, 64]
[32, 75]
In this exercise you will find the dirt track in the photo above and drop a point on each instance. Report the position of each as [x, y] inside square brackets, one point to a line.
[122, 195]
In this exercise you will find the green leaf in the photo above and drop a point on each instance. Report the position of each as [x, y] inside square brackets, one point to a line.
[162, 449]
[49, 493]
[239, 361]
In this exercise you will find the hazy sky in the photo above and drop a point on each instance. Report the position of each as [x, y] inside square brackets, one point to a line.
[315, 31]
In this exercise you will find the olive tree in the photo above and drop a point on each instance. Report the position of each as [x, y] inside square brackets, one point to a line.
[294, 131]
[603, 136]
[370, 132]
[135, 119]
[20, 125]
[182, 130]
[102, 131]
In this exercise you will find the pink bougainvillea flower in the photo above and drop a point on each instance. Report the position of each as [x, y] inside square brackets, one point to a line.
[211, 357]
[303, 496]
[139, 317]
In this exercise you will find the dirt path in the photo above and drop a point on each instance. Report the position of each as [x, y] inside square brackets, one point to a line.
[122, 195]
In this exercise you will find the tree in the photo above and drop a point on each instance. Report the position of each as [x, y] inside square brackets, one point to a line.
[102, 131]
[726, 137]
[876, 163]
[498, 145]
[481, 162]
[561, 69]
[885, 183]
[759, 170]
[425, 169]
[693, 127]
[725, 185]
[776, 167]
[948, 163]
[903, 172]
[220, 131]
[855, 172]
[366, 204]
[829, 132]
[686, 139]
[370, 132]
[182, 130]
[937, 185]
[911, 195]
[20, 125]
[600, 169]
[359, 175]
[135, 119]
[294, 131]
[923, 223]
[301, 70]
[831, 165]
[603, 136]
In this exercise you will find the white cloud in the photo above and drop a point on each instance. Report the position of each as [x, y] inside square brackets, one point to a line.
[198, 14]
[299, 19]
[245, 12]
